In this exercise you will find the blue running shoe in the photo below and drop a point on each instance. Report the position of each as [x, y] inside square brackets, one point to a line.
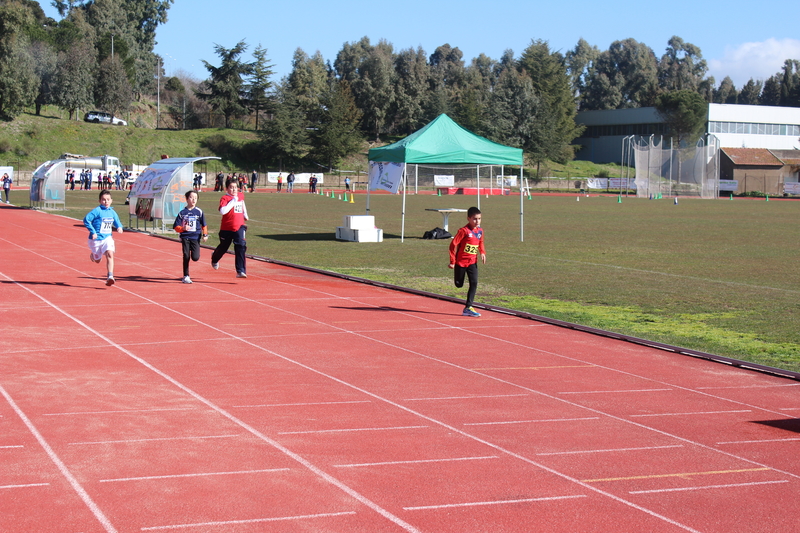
[470, 311]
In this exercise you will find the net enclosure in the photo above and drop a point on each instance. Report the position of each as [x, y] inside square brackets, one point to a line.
[665, 170]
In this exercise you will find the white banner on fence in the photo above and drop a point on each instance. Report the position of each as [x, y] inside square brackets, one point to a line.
[507, 182]
[791, 187]
[728, 185]
[386, 176]
[444, 181]
[610, 183]
[272, 177]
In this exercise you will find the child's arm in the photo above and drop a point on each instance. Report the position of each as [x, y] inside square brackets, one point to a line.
[88, 222]
[482, 250]
[453, 247]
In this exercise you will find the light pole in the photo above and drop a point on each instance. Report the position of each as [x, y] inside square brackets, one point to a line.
[112, 46]
[158, 93]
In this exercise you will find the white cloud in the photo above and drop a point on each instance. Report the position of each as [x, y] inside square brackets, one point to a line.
[753, 60]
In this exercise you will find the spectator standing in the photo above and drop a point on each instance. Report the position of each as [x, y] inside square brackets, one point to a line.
[253, 180]
[290, 182]
[6, 185]
[280, 181]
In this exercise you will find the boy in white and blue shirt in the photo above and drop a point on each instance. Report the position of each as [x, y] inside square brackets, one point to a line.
[191, 225]
[101, 222]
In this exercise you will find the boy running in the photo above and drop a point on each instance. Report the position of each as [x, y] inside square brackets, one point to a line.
[232, 229]
[191, 225]
[464, 250]
[100, 222]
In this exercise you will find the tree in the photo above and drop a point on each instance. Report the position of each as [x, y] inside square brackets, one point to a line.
[337, 133]
[376, 88]
[447, 76]
[18, 81]
[284, 139]
[681, 67]
[771, 93]
[790, 83]
[685, 113]
[580, 62]
[226, 90]
[411, 90]
[552, 86]
[44, 64]
[308, 81]
[624, 76]
[113, 90]
[726, 94]
[259, 81]
[73, 87]
[751, 92]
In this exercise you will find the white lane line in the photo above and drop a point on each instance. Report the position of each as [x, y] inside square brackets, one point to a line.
[348, 430]
[417, 461]
[464, 397]
[24, 486]
[201, 474]
[300, 404]
[612, 450]
[122, 411]
[128, 441]
[250, 521]
[694, 413]
[499, 502]
[759, 441]
[11, 446]
[532, 421]
[682, 489]
[87, 500]
[613, 391]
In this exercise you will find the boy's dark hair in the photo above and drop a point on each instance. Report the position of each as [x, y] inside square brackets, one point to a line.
[191, 191]
[472, 211]
[103, 193]
[228, 181]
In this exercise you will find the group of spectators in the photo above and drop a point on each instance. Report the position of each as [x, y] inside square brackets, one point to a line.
[117, 180]
[240, 178]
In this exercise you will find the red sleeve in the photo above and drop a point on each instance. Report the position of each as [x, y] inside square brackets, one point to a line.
[459, 236]
[481, 248]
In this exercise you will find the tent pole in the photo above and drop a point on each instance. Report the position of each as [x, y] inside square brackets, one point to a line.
[521, 208]
[369, 188]
[478, 176]
[416, 179]
[403, 217]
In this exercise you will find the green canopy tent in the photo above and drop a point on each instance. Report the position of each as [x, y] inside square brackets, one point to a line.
[443, 141]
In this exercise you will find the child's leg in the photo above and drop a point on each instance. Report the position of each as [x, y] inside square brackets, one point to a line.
[195, 247]
[186, 245]
[472, 276]
[110, 262]
[458, 275]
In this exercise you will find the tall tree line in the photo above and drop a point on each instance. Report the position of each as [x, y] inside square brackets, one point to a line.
[99, 54]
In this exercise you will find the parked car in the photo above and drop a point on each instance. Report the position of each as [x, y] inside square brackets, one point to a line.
[106, 118]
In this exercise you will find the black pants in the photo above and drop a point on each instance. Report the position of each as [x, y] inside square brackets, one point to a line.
[472, 275]
[191, 249]
[239, 247]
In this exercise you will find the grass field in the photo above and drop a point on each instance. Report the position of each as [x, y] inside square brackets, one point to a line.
[713, 275]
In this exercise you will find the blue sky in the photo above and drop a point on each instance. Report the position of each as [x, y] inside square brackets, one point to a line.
[737, 38]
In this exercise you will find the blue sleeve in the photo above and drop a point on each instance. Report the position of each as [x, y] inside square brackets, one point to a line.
[178, 219]
[88, 221]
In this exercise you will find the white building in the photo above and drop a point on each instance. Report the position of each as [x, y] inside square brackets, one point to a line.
[736, 126]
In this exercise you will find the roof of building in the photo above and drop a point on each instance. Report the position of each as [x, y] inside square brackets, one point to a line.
[755, 157]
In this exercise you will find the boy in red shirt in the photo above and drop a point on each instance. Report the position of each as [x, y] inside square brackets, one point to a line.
[464, 250]
[232, 229]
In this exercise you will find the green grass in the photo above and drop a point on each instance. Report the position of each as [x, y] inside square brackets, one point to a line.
[711, 275]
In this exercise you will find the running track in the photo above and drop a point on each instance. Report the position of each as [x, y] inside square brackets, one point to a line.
[297, 402]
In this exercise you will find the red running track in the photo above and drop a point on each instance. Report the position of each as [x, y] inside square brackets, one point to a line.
[294, 401]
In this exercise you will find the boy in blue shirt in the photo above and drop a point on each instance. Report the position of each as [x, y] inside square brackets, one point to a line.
[191, 225]
[101, 222]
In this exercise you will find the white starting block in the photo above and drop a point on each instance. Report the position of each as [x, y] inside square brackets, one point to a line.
[359, 229]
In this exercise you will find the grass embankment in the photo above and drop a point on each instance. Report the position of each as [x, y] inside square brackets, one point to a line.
[712, 275]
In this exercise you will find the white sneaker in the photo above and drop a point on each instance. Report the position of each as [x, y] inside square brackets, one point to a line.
[241, 275]
[186, 279]
[110, 281]
[215, 266]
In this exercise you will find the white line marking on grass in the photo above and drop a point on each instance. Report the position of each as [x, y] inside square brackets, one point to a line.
[130, 441]
[416, 461]
[694, 413]
[201, 474]
[106, 523]
[24, 486]
[613, 450]
[464, 397]
[498, 502]
[790, 439]
[731, 485]
[349, 430]
[302, 404]
[531, 421]
[122, 411]
[613, 391]
[250, 521]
